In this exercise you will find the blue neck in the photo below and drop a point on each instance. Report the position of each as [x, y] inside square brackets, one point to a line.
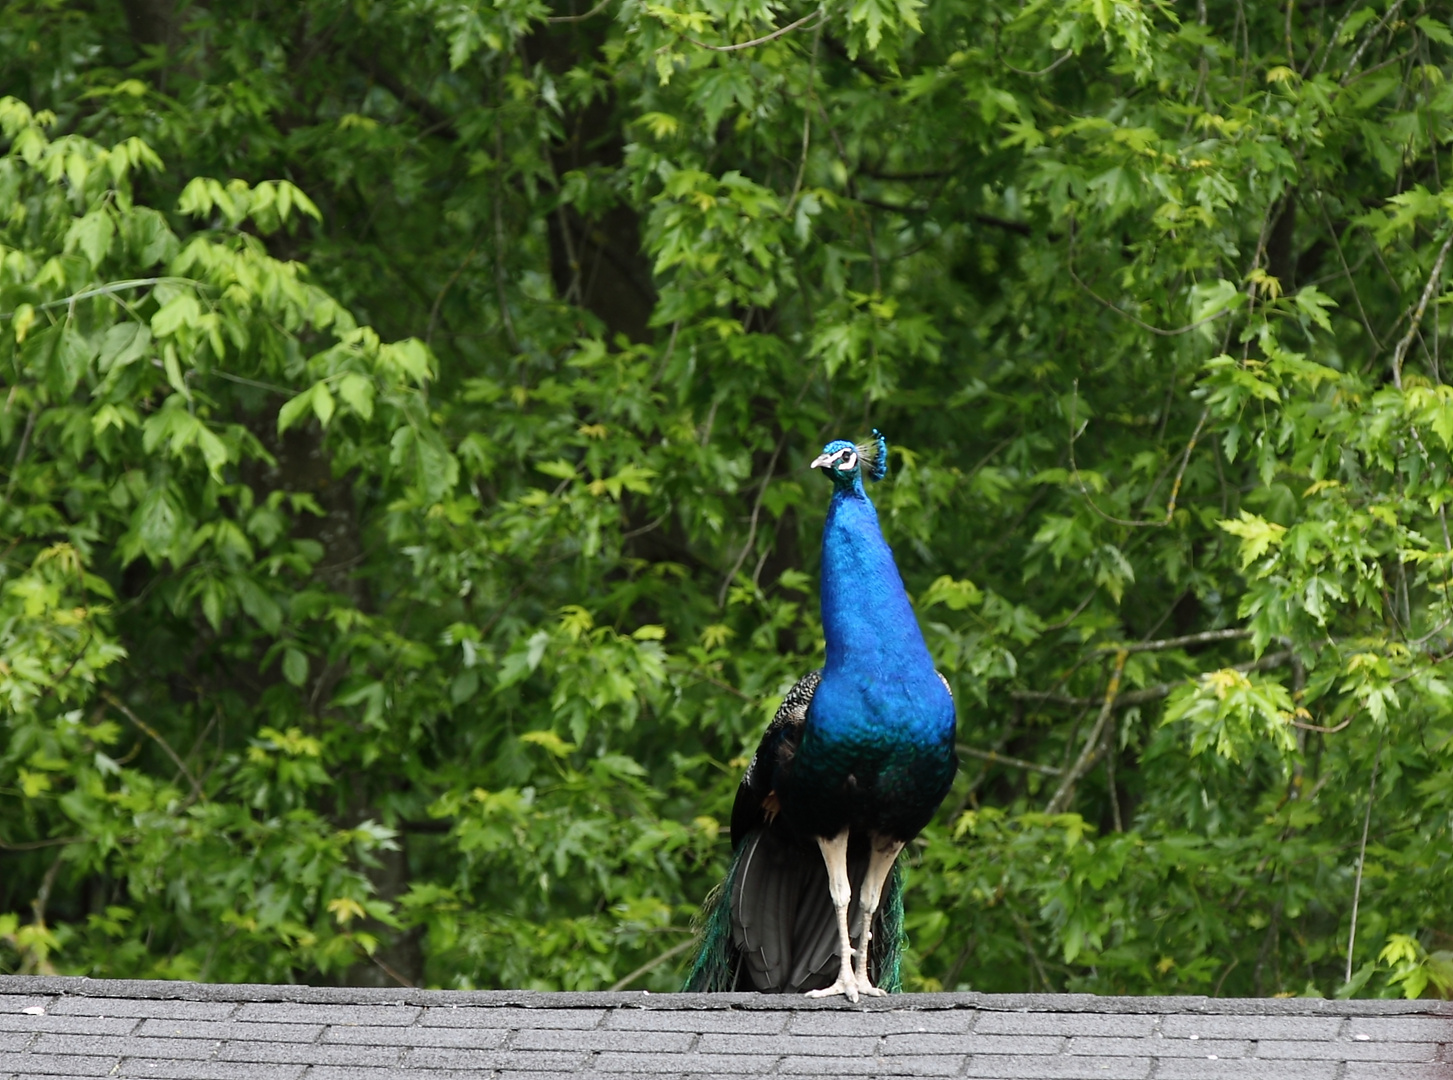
[871, 631]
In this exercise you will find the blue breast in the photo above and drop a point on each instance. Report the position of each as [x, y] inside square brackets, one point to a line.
[879, 688]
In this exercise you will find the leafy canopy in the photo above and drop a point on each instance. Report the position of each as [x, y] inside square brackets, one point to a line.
[406, 531]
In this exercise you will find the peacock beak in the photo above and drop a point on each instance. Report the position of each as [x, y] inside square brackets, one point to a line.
[822, 461]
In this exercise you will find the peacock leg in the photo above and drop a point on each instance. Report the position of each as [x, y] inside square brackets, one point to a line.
[840, 888]
[880, 865]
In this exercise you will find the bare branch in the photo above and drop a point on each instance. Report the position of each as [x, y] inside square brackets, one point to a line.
[1042, 71]
[1175, 491]
[156, 735]
[1149, 693]
[1417, 316]
[1203, 638]
[1004, 759]
[756, 41]
[671, 953]
[580, 18]
[756, 515]
[1362, 858]
[1082, 764]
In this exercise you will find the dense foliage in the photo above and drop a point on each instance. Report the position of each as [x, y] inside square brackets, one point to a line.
[406, 529]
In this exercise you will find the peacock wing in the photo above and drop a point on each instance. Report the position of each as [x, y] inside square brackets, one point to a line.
[752, 807]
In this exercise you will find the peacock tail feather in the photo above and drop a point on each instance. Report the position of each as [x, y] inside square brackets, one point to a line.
[892, 938]
[714, 970]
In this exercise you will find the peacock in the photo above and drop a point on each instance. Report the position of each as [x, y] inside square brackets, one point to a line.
[853, 765]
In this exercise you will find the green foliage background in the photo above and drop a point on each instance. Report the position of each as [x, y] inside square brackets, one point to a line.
[406, 530]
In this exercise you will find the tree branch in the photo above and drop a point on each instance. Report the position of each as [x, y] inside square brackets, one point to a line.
[995, 758]
[156, 735]
[1082, 764]
[756, 41]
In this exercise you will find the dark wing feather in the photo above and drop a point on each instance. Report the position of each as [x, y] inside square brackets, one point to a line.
[778, 744]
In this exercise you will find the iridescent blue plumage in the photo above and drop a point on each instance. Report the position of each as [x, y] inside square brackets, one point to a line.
[854, 765]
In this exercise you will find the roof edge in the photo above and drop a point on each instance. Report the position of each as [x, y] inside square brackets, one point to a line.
[82, 986]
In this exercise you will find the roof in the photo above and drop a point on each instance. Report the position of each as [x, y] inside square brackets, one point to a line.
[73, 1027]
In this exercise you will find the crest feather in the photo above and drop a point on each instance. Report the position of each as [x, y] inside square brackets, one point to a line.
[873, 456]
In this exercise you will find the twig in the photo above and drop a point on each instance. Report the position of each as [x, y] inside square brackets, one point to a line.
[387, 969]
[1362, 858]
[806, 123]
[1203, 638]
[1356, 56]
[107, 290]
[1317, 727]
[1042, 71]
[1148, 694]
[439, 300]
[580, 18]
[1092, 743]
[499, 227]
[1160, 331]
[671, 953]
[1175, 491]
[156, 735]
[756, 41]
[1417, 317]
[35, 845]
[1004, 759]
[756, 514]
[20, 452]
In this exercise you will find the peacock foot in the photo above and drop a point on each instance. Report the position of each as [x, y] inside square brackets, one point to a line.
[847, 985]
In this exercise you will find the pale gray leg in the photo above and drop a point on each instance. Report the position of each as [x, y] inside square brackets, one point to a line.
[880, 864]
[840, 888]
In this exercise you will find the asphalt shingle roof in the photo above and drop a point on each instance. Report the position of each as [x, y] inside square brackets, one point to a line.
[62, 1027]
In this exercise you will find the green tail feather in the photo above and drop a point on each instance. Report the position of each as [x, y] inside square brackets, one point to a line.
[892, 938]
[715, 970]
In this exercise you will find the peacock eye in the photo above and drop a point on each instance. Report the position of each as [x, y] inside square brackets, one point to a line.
[847, 461]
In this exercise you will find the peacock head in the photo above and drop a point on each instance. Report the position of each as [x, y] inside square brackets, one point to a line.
[848, 462]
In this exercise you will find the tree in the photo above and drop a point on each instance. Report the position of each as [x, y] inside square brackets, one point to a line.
[406, 524]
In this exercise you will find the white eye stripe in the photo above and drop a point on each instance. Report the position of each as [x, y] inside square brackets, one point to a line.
[848, 463]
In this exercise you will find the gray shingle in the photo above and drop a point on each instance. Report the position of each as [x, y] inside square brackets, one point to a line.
[291, 1013]
[903, 1065]
[136, 1068]
[1106, 1024]
[1346, 1050]
[1401, 1028]
[818, 1045]
[179, 1031]
[1038, 1045]
[440, 1057]
[470, 1038]
[336, 1072]
[1369, 1070]
[1251, 1027]
[1244, 1069]
[230, 1029]
[127, 1046]
[12, 1042]
[167, 1010]
[67, 1064]
[93, 1025]
[18, 1003]
[898, 1022]
[738, 1020]
[310, 1054]
[669, 1042]
[512, 1018]
[1159, 1047]
[709, 1064]
[1059, 1068]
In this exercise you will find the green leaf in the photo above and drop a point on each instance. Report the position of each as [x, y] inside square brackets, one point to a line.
[295, 666]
